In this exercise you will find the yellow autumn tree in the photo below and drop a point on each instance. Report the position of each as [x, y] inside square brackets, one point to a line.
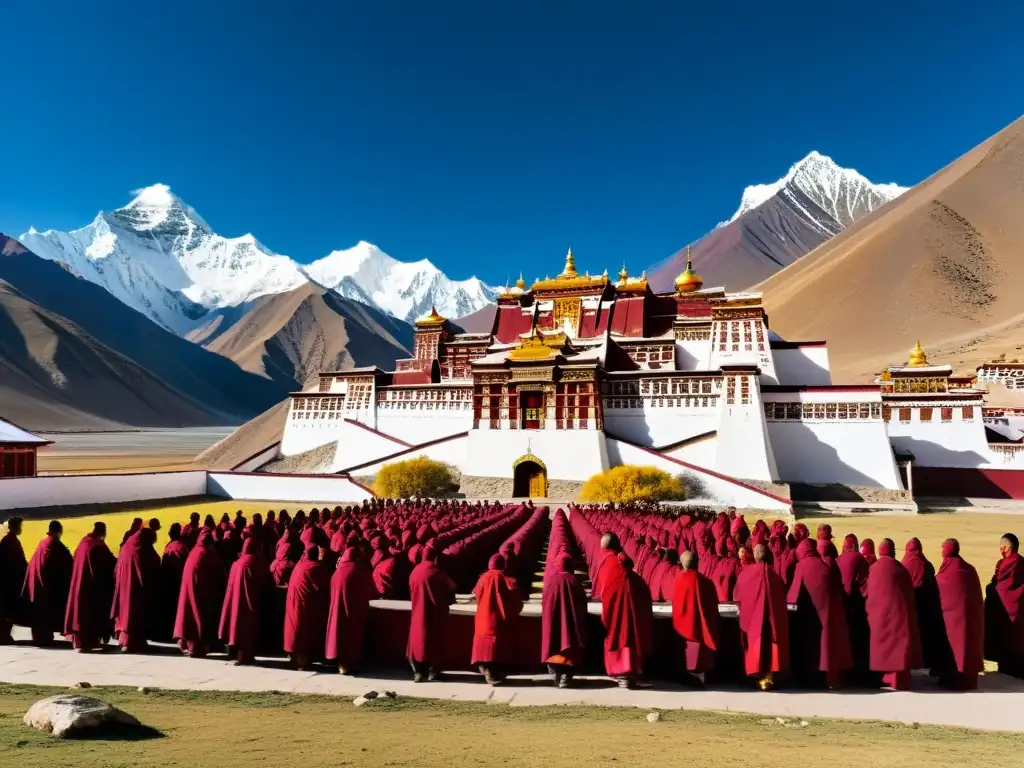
[421, 477]
[632, 483]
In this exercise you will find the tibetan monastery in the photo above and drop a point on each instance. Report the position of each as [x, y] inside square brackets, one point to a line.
[581, 372]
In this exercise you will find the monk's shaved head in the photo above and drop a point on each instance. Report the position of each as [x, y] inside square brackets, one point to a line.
[611, 541]
[762, 554]
[688, 560]
[1011, 541]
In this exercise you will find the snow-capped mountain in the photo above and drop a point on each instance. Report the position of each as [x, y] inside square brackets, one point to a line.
[403, 289]
[778, 223]
[842, 193]
[160, 257]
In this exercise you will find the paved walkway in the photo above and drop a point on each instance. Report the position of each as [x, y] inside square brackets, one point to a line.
[999, 705]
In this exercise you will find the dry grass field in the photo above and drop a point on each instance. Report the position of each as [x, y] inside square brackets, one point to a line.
[237, 729]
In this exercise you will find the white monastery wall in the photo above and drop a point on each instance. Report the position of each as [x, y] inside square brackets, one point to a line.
[568, 455]
[957, 443]
[291, 488]
[743, 447]
[451, 452]
[701, 452]
[654, 427]
[302, 435]
[258, 460]
[693, 355]
[357, 445]
[720, 491]
[416, 426]
[857, 453]
[20, 492]
[804, 365]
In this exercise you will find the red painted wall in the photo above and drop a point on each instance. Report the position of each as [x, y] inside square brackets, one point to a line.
[980, 483]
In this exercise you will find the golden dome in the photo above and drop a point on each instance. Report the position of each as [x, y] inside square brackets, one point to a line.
[623, 274]
[430, 320]
[520, 283]
[570, 265]
[917, 357]
[689, 280]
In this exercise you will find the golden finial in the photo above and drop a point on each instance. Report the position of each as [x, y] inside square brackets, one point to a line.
[432, 319]
[570, 265]
[689, 280]
[520, 283]
[623, 274]
[917, 357]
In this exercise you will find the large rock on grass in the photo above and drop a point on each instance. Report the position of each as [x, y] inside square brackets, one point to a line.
[69, 715]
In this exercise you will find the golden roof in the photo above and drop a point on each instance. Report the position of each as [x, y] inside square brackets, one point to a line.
[570, 278]
[917, 358]
[431, 320]
[689, 281]
[623, 274]
[539, 346]
[520, 283]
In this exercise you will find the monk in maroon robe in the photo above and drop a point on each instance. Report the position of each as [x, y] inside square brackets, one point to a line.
[352, 590]
[821, 640]
[926, 599]
[248, 582]
[498, 605]
[1004, 610]
[203, 583]
[764, 620]
[91, 592]
[695, 618]
[610, 548]
[431, 592]
[135, 527]
[287, 556]
[306, 608]
[46, 587]
[385, 569]
[172, 565]
[963, 616]
[563, 622]
[136, 589]
[190, 531]
[853, 569]
[892, 619]
[13, 566]
[628, 621]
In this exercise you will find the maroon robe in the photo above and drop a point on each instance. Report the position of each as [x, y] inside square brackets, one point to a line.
[628, 619]
[46, 587]
[13, 566]
[1004, 615]
[764, 620]
[90, 594]
[563, 617]
[823, 642]
[248, 581]
[498, 605]
[136, 588]
[963, 615]
[431, 591]
[172, 565]
[892, 618]
[695, 618]
[352, 590]
[203, 583]
[306, 608]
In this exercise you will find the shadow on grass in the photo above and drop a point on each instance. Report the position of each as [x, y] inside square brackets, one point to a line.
[119, 732]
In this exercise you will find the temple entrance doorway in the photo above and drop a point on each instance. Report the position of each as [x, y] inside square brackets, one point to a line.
[530, 478]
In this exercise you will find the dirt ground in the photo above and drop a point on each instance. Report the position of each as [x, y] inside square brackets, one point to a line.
[226, 730]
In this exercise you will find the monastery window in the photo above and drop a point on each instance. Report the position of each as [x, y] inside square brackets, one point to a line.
[830, 410]
[325, 384]
[793, 411]
[730, 390]
[865, 410]
[905, 415]
[745, 390]
[843, 410]
[705, 387]
[967, 413]
[887, 413]
[947, 415]
[876, 411]
[926, 414]
[819, 411]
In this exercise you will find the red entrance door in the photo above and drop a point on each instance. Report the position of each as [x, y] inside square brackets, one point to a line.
[532, 405]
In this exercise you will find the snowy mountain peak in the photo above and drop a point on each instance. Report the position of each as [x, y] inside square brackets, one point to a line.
[158, 256]
[841, 192]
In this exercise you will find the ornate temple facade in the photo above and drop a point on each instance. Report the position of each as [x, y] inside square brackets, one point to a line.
[581, 372]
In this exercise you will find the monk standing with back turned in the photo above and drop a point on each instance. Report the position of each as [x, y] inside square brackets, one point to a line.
[695, 618]
[764, 619]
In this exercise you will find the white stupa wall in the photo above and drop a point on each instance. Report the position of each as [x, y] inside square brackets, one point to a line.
[417, 425]
[302, 435]
[700, 452]
[449, 451]
[654, 426]
[693, 355]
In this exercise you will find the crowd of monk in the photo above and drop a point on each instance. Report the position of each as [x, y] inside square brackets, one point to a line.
[808, 613]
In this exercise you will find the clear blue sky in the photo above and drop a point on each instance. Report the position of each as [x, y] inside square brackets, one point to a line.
[484, 135]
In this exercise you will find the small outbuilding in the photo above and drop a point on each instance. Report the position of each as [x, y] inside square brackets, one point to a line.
[18, 449]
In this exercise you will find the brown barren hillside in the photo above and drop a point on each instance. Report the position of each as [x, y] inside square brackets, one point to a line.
[942, 263]
[249, 439]
[290, 337]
